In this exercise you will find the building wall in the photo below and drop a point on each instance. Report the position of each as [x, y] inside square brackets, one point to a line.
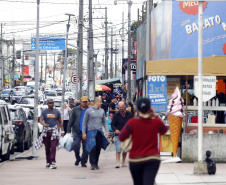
[213, 142]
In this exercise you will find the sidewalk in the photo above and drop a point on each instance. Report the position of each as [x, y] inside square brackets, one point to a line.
[33, 172]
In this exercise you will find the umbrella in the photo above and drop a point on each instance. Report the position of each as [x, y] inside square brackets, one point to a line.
[102, 88]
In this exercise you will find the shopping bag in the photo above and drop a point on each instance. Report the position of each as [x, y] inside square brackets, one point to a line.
[68, 146]
[126, 145]
[65, 140]
[61, 142]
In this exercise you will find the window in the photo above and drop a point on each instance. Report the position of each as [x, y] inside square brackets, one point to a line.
[4, 115]
[0, 118]
[8, 112]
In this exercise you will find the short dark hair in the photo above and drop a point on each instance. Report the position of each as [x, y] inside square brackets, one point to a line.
[143, 105]
[48, 100]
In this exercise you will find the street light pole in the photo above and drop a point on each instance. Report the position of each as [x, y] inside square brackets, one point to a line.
[35, 129]
[65, 65]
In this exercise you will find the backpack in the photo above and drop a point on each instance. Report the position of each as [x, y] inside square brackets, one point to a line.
[211, 165]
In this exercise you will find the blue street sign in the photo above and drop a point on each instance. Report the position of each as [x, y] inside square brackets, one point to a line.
[49, 42]
[157, 93]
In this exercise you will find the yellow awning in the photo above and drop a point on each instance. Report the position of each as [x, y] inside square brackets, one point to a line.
[212, 66]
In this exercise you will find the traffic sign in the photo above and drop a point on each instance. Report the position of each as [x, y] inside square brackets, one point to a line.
[73, 79]
[49, 42]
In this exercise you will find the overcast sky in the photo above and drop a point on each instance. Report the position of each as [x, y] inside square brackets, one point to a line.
[19, 19]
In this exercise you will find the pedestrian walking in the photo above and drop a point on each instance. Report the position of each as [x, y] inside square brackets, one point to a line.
[50, 133]
[131, 109]
[75, 122]
[92, 132]
[119, 120]
[111, 132]
[67, 111]
[144, 157]
[112, 106]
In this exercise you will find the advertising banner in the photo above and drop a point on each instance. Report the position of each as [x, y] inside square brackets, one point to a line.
[133, 66]
[157, 92]
[209, 87]
[185, 29]
[141, 45]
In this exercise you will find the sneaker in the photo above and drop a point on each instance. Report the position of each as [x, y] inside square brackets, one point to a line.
[84, 165]
[97, 167]
[77, 162]
[92, 167]
[47, 165]
[53, 166]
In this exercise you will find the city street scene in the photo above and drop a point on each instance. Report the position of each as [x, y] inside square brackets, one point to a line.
[109, 92]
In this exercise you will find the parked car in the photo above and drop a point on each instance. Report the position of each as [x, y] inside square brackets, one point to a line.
[27, 100]
[6, 132]
[22, 129]
[20, 88]
[50, 94]
[30, 117]
[6, 94]
[40, 109]
[16, 96]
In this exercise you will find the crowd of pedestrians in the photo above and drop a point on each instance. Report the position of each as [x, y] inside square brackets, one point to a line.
[86, 120]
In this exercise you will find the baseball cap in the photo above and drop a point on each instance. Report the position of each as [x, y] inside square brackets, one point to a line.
[111, 115]
[143, 105]
[84, 98]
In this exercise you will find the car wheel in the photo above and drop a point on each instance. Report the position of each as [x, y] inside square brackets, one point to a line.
[20, 146]
[12, 149]
[7, 155]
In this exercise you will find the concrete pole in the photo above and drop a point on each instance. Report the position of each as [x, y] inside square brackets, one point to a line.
[111, 64]
[88, 67]
[46, 68]
[106, 44]
[129, 52]
[116, 66]
[65, 66]
[200, 75]
[77, 70]
[41, 71]
[123, 40]
[91, 80]
[13, 64]
[2, 72]
[22, 67]
[54, 67]
[35, 127]
[80, 37]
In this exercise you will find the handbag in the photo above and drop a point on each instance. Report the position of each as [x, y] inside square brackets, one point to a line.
[127, 144]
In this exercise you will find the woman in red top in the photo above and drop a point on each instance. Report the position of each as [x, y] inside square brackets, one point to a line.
[144, 157]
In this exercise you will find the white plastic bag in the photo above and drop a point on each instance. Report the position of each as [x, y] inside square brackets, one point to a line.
[61, 142]
[69, 144]
[65, 139]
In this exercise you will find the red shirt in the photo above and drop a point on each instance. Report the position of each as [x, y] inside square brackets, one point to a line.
[144, 136]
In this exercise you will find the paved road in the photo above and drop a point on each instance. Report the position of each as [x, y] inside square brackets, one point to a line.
[33, 172]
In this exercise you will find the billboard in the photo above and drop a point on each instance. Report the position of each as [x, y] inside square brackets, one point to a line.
[185, 29]
[141, 49]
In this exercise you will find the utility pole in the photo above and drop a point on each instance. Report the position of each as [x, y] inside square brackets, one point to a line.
[41, 71]
[91, 78]
[106, 44]
[111, 64]
[35, 126]
[65, 64]
[22, 67]
[1, 31]
[80, 47]
[116, 52]
[88, 67]
[129, 51]
[46, 67]
[54, 68]
[13, 64]
[123, 40]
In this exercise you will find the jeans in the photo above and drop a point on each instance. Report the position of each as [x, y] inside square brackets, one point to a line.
[144, 173]
[65, 123]
[95, 152]
[50, 147]
[76, 145]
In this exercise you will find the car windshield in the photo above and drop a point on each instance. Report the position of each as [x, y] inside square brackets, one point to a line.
[25, 100]
[59, 93]
[68, 94]
[31, 87]
[5, 92]
[18, 93]
[51, 94]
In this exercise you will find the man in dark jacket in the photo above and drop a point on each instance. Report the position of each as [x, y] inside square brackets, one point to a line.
[75, 123]
[119, 120]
